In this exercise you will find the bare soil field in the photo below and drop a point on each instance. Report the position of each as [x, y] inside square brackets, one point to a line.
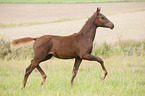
[128, 19]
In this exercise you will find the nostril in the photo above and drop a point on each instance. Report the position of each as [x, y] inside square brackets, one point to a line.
[112, 26]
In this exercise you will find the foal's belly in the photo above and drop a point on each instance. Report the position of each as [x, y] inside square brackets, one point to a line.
[65, 54]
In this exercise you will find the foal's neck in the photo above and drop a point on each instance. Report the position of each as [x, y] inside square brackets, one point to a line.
[89, 29]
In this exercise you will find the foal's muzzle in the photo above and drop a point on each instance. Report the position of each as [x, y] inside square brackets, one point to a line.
[112, 26]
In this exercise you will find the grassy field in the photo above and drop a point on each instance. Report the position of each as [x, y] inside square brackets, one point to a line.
[125, 78]
[66, 1]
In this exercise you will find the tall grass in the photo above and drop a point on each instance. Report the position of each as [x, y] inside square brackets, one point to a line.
[125, 78]
[8, 53]
[125, 48]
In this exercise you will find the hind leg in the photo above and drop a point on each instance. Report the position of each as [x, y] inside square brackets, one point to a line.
[35, 64]
[28, 71]
[42, 74]
[40, 53]
[41, 71]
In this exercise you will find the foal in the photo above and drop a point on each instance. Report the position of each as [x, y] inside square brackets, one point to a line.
[78, 46]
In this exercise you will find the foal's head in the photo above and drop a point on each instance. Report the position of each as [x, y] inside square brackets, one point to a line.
[102, 21]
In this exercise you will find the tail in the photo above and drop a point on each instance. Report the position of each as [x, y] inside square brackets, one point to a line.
[22, 41]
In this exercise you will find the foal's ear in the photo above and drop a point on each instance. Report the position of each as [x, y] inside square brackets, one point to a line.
[98, 9]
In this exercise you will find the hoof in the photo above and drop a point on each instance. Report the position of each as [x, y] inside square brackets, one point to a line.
[104, 75]
[22, 87]
[71, 84]
[41, 83]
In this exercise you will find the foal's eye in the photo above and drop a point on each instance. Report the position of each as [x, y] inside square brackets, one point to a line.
[102, 17]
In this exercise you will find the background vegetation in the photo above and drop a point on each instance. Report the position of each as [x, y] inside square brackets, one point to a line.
[66, 1]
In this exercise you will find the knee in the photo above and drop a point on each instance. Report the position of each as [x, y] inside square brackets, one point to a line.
[27, 69]
[100, 61]
[31, 61]
[26, 73]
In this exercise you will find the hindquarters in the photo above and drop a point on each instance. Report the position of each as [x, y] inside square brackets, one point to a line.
[41, 48]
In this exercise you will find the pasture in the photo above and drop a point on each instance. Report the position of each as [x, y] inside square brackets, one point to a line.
[123, 50]
[125, 78]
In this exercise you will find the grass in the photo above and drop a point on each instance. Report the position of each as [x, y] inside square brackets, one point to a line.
[125, 78]
[66, 1]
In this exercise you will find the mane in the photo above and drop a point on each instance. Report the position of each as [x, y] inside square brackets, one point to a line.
[89, 22]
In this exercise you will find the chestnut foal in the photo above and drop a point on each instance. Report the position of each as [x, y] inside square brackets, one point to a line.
[78, 46]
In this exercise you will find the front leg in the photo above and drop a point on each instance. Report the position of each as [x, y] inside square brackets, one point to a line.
[94, 58]
[75, 69]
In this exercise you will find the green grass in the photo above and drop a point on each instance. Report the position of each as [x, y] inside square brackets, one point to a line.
[125, 78]
[66, 1]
